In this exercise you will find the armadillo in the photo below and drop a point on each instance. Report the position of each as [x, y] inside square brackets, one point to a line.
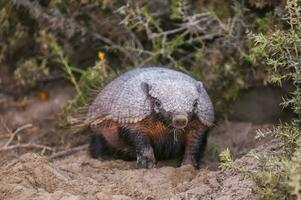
[150, 114]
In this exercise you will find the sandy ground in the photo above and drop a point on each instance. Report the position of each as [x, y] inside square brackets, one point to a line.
[28, 173]
[79, 177]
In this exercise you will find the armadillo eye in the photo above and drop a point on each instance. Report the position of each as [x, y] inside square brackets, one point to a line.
[158, 103]
[195, 103]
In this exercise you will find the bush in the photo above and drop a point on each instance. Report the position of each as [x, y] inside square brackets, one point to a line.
[279, 177]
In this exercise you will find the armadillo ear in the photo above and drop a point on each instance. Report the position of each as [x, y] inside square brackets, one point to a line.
[200, 86]
[145, 87]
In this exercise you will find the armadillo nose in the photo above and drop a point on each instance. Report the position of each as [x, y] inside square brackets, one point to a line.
[180, 120]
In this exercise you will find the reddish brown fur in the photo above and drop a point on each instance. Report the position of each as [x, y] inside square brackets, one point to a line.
[154, 128]
[111, 135]
[149, 126]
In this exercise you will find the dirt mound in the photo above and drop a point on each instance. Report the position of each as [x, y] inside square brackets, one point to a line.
[79, 177]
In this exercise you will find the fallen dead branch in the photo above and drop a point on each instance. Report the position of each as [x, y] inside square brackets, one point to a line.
[8, 147]
[43, 148]
[68, 151]
[27, 146]
[18, 130]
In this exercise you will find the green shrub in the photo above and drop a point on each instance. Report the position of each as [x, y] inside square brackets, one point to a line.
[279, 51]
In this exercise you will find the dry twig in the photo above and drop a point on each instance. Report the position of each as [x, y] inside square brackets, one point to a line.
[27, 146]
[8, 147]
[68, 151]
[18, 130]
[67, 26]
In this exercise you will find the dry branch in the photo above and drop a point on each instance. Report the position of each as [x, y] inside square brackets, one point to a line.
[8, 147]
[68, 27]
[18, 130]
[68, 151]
[27, 146]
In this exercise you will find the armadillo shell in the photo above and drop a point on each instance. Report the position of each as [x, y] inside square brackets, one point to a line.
[123, 99]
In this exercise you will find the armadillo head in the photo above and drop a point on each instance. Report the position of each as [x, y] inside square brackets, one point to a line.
[178, 102]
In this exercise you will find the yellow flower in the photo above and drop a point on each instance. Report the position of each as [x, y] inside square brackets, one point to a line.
[42, 95]
[101, 55]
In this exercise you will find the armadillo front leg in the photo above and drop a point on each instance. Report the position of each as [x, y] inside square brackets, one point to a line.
[195, 146]
[141, 143]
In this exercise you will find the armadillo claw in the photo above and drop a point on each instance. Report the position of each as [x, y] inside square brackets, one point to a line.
[145, 162]
[146, 158]
[190, 161]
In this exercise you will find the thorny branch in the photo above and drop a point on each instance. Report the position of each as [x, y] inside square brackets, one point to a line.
[198, 27]
[194, 28]
[68, 27]
[196, 24]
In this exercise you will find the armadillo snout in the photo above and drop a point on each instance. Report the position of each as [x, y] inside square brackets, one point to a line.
[180, 120]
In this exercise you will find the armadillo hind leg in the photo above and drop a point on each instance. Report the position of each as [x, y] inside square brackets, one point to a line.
[142, 144]
[195, 147]
[98, 146]
[105, 143]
